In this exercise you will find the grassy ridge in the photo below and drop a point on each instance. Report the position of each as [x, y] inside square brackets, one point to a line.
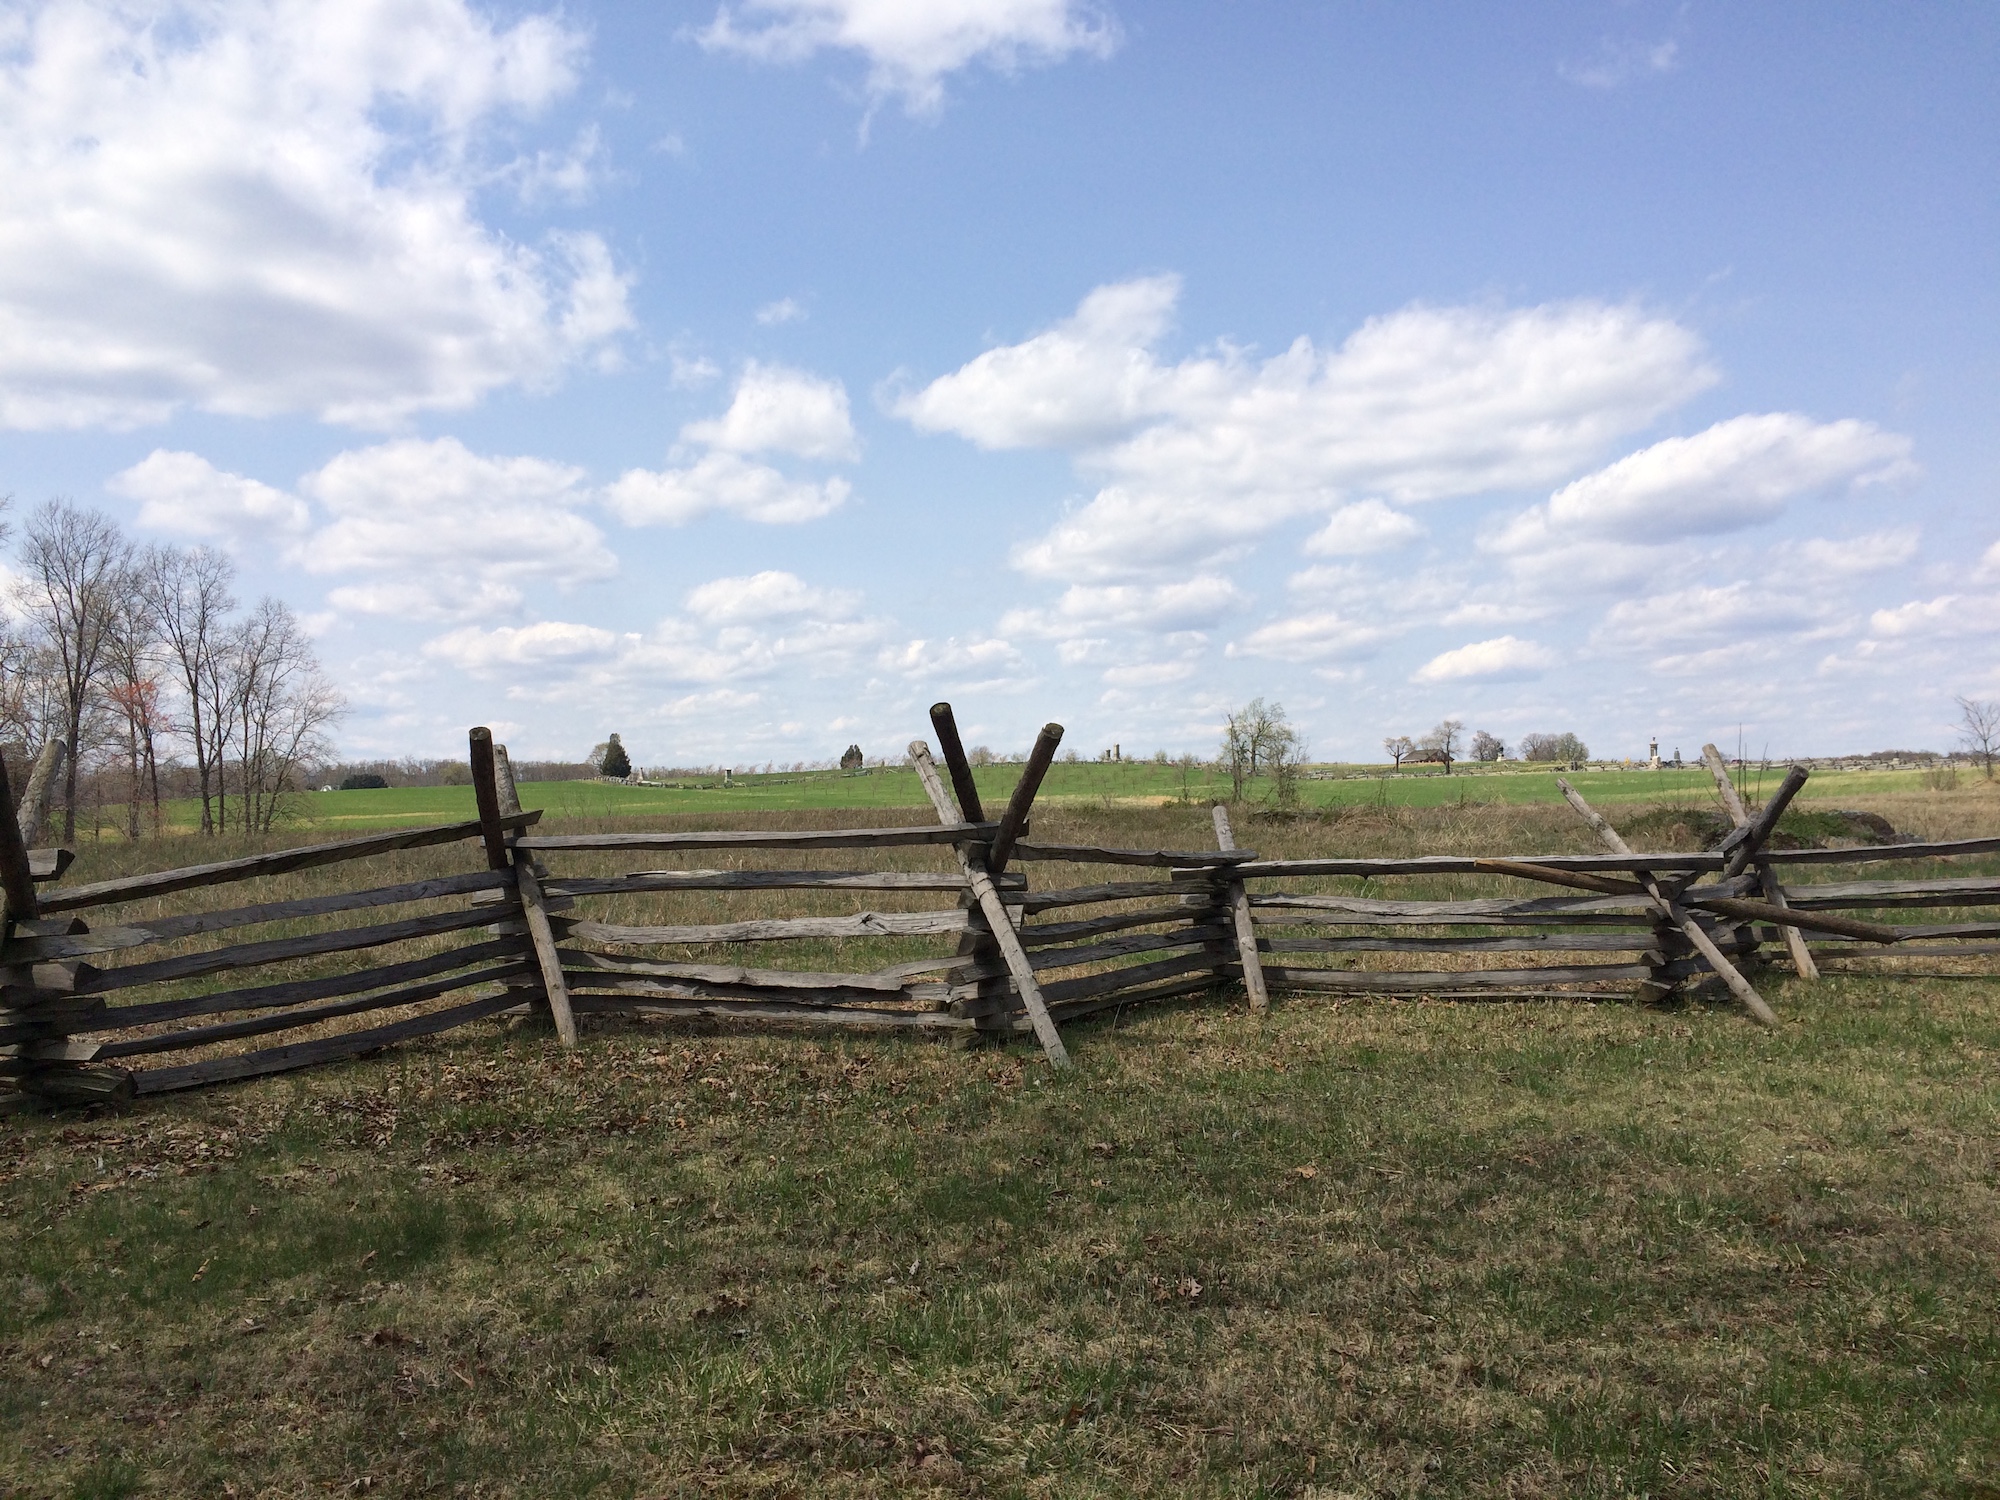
[1137, 781]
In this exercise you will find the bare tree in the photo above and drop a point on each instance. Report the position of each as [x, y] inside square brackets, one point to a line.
[1444, 740]
[1399, 746]
[1486, 748]
[186, 592]
[134, 694]
[1251, 738]
[1979, 728]
[76, 566]
[282, 707]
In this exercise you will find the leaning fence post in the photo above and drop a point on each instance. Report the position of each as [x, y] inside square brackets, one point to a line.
[1740, 987]
[975, 869]
[1246, 926]
[1014, 822]
[486, 793]
[1767, 877]
[534, 906]
[15, 877]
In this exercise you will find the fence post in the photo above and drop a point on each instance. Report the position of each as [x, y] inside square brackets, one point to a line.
[534, 906]
[486, 792]
[1246, 926]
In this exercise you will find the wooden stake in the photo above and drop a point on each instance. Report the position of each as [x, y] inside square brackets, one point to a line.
[995, 911]
[1767, 877]
[486, 793]
[1014, 822]
[1246, 928]
[1704, 944]
[955, 762]
[534, 905]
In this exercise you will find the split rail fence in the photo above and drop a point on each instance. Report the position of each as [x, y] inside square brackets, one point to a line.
[135, 1001]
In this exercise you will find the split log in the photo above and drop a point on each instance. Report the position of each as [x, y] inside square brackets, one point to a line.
[259, 866]
[642, 881]
[1754, 911]
[1747, 842]
[1690, 928]
[777, 1014]
[1573, 942]
[1618, 911]
[1386, 982]
[49, 864]
[865, 924]
[579, 962]
[1202, 861]
[80, 1087]
[1245, 924]
[953, 750]
[278, 950]
[1014, 822]
[535, 907]
[795, 838]
[1097, 895]
[300, 991]
[973, 863]
[313, 1053]
[309, 1015]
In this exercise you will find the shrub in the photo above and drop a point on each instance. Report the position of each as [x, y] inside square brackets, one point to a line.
[364, 781]
[851, 758]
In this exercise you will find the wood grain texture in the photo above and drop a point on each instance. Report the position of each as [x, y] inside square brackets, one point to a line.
[1244, 924]
[259, 866]
[775, 929]
[829, 838]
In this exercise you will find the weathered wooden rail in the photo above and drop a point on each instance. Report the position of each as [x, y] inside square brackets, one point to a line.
[131, 1005]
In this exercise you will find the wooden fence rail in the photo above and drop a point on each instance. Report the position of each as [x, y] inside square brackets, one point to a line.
[92, 1014]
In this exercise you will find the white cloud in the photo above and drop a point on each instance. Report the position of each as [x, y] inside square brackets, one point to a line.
[1617, 62]
[721, 482]
[1362, 528]
[978, 664]
[265, 206]
[1210, 452]
[1501, 659]
[1147, 674]
[784, 310]
[1323, 636]
[781, 410]
[1852, 557]
[541, 644]
[183, 493]
[1989, 563]
[912, 45]
[1947, 616]
[769, 595]
[1190, 604]
[1706, 613]
[1738, 473]
[447, 531]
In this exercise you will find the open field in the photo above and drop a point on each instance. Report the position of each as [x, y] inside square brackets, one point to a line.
[1370, 1247]
[1138, 782]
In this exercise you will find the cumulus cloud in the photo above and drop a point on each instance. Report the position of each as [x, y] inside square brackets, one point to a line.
[733, 631]
[442, 531]
[911, 46]
[1851, 557]
[1501, 659]
[770, 595]
[1736, 474]
[975, 664]
[547, 642]
[184, 494]
[1321, 636]
[721, 482]
[774, 410]
[1363, 528]
[1196, 603]
[1945, 616]
[781, 410]
[266, 206]
[1206, 453]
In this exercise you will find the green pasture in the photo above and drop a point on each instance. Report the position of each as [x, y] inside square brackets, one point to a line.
[1087, 781]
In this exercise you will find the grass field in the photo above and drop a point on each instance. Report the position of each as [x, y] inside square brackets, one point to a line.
[1358, 1249]
[1132, 781]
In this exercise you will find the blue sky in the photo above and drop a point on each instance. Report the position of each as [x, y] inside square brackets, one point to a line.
[745, 379]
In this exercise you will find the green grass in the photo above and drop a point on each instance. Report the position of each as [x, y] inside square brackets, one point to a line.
[1087, 781]
[1359, 1249]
